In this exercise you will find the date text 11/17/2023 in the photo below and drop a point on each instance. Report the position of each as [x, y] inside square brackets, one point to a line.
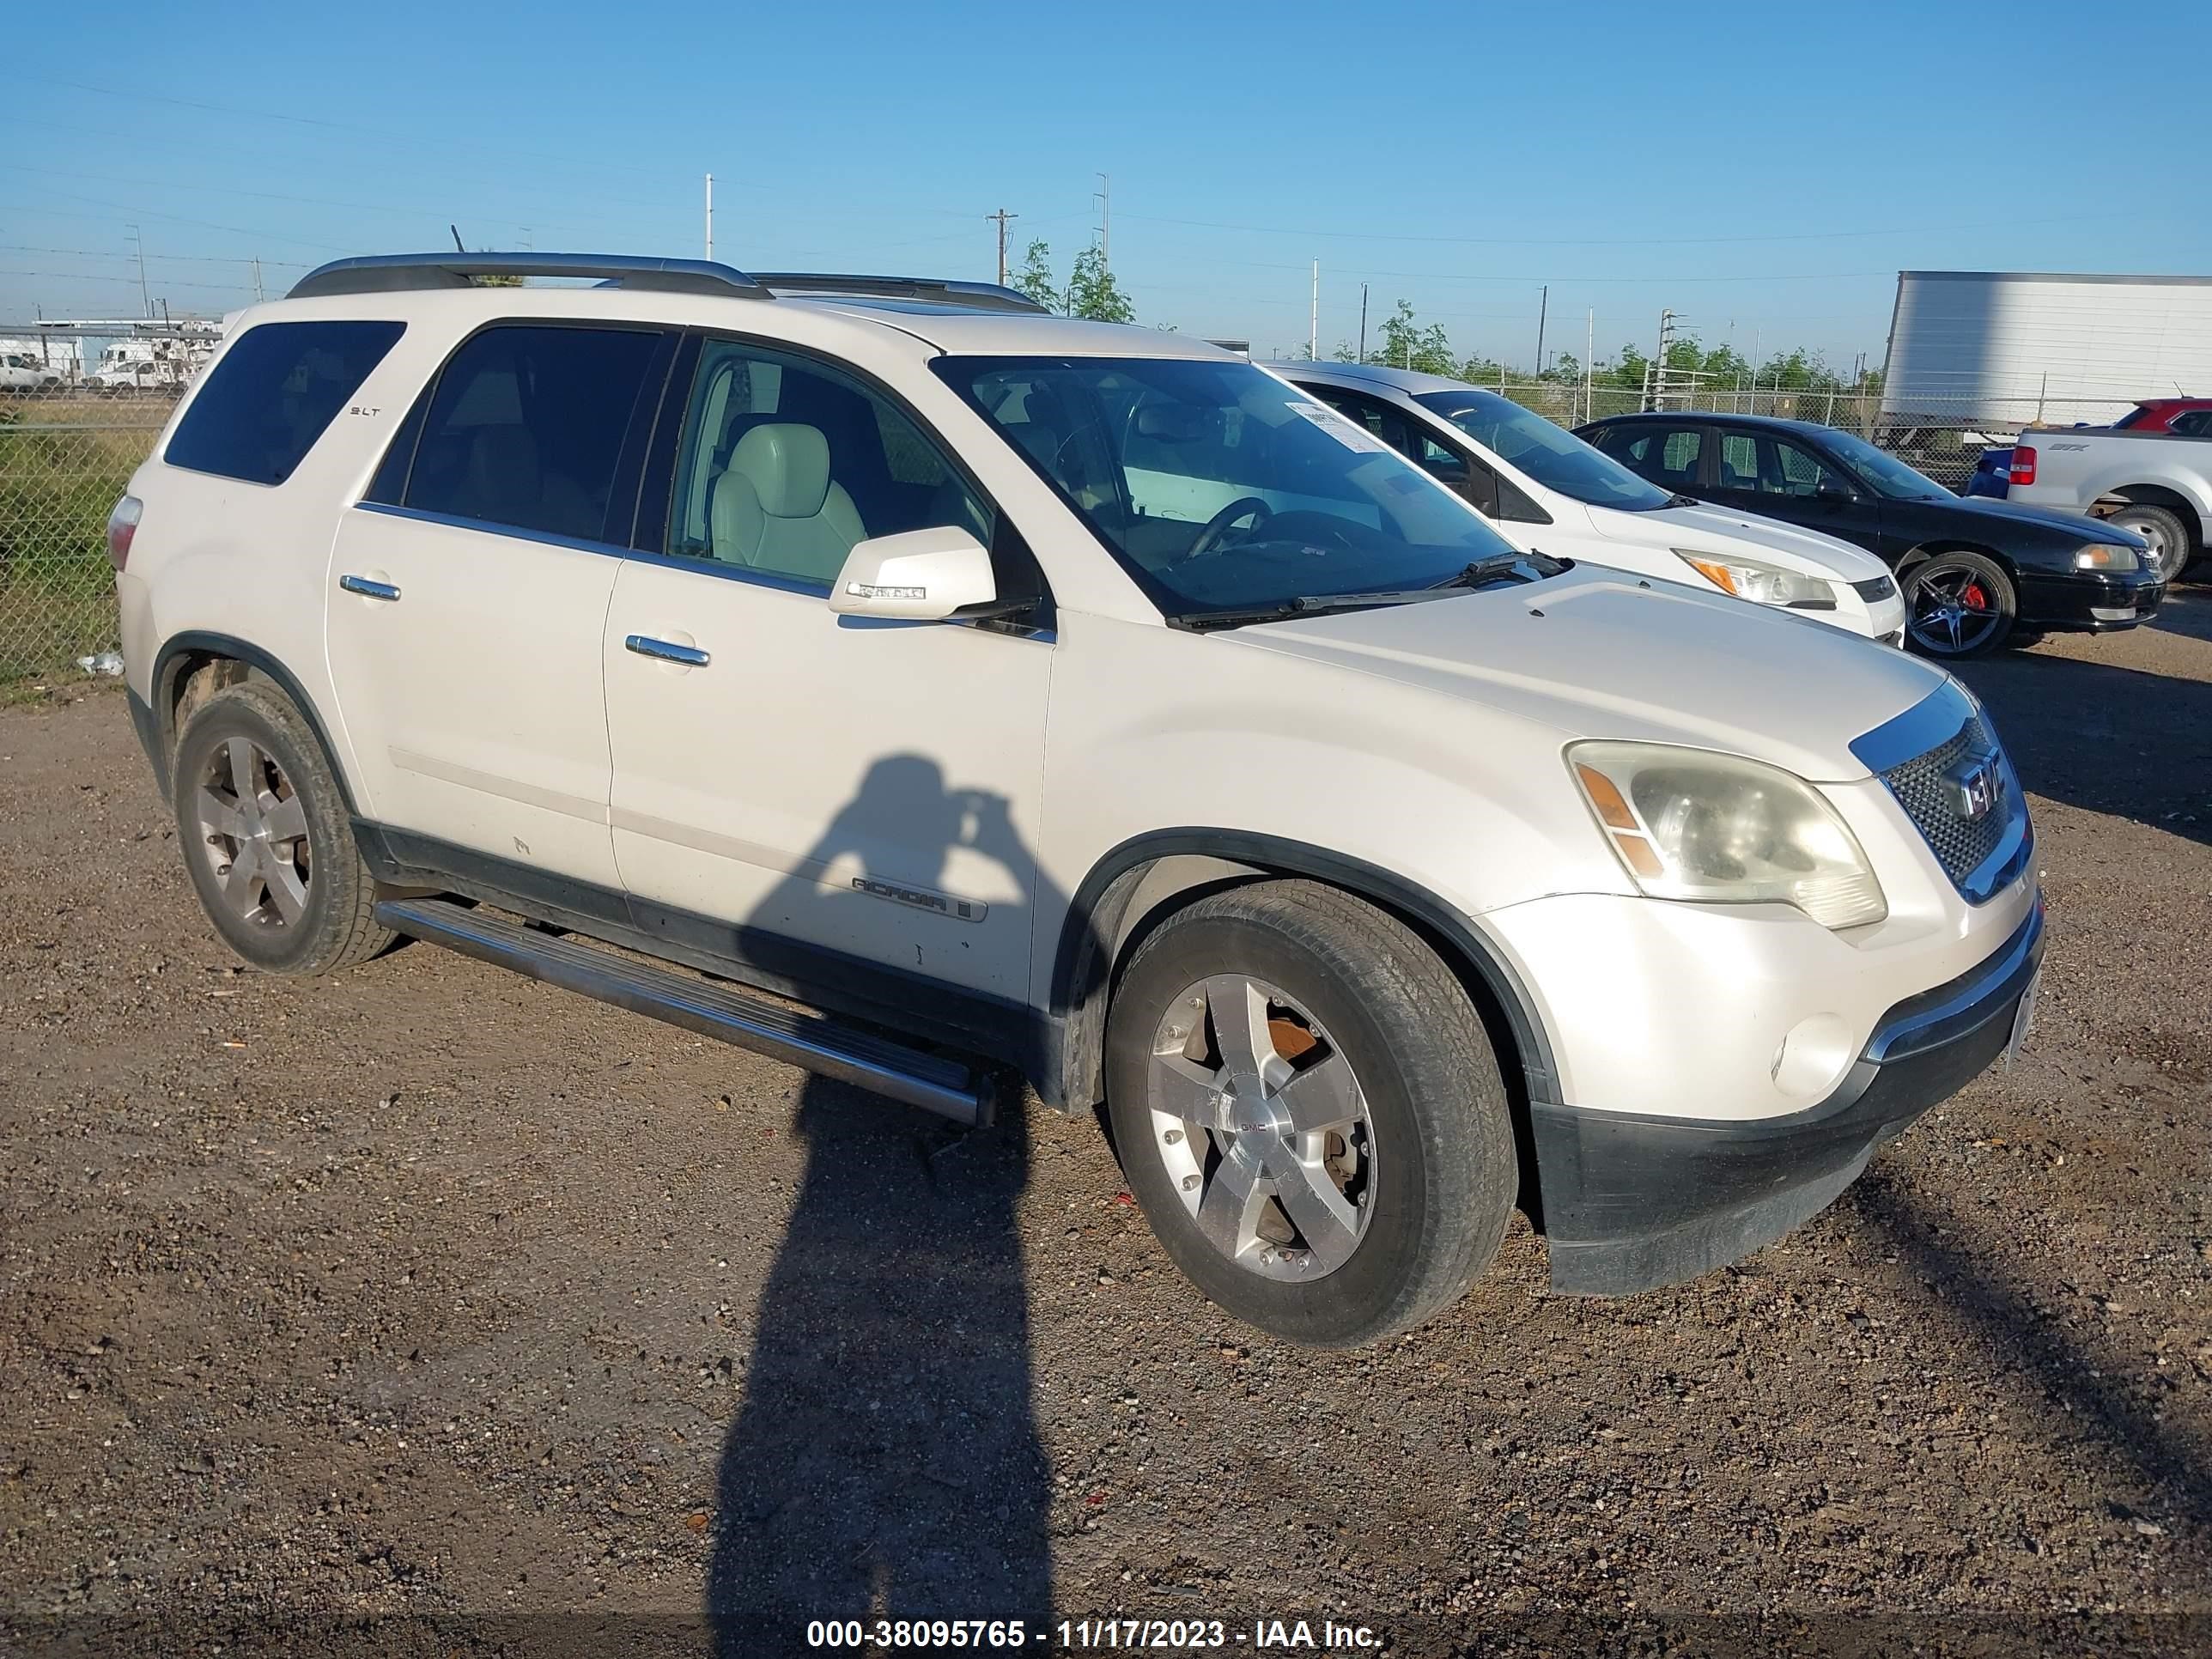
[1093, 1635]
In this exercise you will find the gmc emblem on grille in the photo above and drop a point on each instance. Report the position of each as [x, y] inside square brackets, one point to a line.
[1977, 786]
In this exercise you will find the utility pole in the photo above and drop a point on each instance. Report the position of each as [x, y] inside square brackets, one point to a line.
[257, 281]
[1589, 361]
[1313, 319]
[138, 242]
[1655, 392]
[710, 217]
[1004, 219]
[1362, 322]
[1105, 224]
[1543, 304]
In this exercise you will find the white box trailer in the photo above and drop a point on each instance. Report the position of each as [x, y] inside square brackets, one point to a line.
[1998, 349]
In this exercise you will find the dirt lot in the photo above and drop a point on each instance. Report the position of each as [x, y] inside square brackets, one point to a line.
[442, 1300]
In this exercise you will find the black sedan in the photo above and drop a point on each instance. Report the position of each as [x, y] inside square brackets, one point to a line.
[1973, 570]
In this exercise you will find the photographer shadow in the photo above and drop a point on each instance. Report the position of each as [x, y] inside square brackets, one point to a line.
[885, 1463]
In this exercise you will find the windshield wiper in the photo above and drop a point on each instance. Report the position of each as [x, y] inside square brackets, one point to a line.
[1305, 604]
[1504, 564]
[1322, 604]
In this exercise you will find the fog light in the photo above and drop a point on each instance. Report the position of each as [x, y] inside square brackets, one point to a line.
[2113, 613]
[1813, 1057]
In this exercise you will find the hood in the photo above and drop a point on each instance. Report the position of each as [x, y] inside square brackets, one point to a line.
[1719, 530]
[2075, 527]
[1592, 654]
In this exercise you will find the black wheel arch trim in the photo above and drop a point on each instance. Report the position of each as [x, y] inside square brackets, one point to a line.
[179, 648]
[1083, 964]
[1936, 546]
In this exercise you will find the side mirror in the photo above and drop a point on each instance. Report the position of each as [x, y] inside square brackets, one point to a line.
[921, 575]
[1830, 489]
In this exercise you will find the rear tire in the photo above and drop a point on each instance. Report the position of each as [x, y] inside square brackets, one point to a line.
[1358, 1172]
[1958, 605]
[266, 838]
[2171, 549]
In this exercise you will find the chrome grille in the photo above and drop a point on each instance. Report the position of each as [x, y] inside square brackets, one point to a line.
[1961, 844]
[1874, 589]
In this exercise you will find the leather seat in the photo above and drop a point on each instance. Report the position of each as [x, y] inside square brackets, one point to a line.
[776, 508]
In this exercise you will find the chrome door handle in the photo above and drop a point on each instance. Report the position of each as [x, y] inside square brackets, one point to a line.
[369, 589]
[663, 650]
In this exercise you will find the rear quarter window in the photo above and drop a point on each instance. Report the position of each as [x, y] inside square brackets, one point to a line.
[272, 395]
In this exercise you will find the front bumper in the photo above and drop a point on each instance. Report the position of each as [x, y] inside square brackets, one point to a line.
[2088, 601]
[1633, 1202]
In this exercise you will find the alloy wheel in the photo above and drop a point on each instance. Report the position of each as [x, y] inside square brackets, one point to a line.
[1953, 614]
[254, 833]
[1263, 1129]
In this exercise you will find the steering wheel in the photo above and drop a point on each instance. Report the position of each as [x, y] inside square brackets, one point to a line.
[1218, 525]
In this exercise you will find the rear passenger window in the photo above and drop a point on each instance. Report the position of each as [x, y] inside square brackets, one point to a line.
[272, 394]
[526, 429]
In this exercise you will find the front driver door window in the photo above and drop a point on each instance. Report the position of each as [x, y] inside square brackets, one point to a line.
[819, 790]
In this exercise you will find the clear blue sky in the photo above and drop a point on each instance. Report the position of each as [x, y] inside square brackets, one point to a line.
[1765, 171]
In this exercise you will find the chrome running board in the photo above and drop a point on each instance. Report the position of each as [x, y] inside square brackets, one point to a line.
[711, 1007]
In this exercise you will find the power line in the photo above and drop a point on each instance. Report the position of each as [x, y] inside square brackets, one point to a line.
[173, 218]
[1625, 242]
[157, 258]
[127, 281]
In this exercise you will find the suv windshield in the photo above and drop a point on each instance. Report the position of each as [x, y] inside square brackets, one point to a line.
[1549, 454]
[1224, 490]
[1882, 472]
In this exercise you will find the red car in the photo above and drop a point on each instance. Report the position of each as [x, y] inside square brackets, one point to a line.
[2185, 417]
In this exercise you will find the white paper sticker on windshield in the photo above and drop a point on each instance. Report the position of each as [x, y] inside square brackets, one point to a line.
[1347, 432]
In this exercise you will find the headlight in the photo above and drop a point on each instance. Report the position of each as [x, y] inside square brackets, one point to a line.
[2103, 556]
[1762, 584]
[1689, 823]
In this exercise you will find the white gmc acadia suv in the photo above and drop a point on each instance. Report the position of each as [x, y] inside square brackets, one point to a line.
[919, 686]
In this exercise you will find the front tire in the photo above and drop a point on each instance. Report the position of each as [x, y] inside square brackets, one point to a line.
[1958, 605]
[266, 839]
[1308, 1108]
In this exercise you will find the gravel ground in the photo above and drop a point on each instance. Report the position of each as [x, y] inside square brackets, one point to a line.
[442, 1301]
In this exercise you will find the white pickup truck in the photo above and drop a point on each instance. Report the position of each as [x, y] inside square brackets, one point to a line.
[2157, 484]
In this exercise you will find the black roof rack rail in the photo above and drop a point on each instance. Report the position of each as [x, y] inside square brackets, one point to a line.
[386, 273]
[984, 296]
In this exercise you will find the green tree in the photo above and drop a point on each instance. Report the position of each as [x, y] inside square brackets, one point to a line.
[1035, 277]
[1725, 366]
[1406, 344]
[1799, 370]
[1093, 292]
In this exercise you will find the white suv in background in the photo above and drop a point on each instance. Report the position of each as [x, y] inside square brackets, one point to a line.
[1544, 488]
[922, 687]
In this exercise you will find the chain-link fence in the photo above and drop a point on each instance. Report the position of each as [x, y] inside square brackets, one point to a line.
[80, 406]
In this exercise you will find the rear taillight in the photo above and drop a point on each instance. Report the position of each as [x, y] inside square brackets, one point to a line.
[122, 525]
[2023, 464]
